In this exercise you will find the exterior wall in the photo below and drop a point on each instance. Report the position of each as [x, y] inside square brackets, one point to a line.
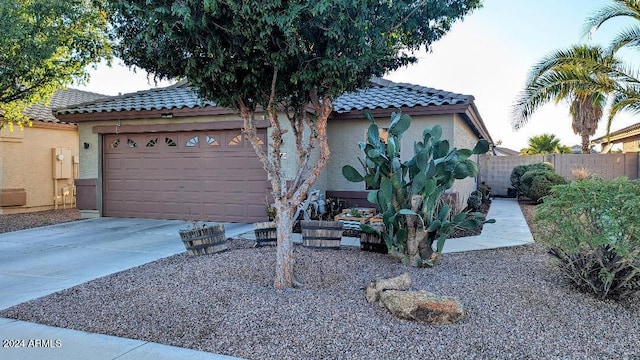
[464, 138]
[344, 136]
[631, 146]
[496, 170]
[26, 159]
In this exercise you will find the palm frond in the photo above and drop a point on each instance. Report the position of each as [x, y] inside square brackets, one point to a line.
[629, 37]
[619, 8]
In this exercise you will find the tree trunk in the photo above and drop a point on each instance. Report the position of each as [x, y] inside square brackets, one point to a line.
[585, 143]
[284, 250]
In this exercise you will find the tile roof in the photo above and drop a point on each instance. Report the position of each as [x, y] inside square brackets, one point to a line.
[618, 135]
[176, 96]
[61, 98]
[383, 94]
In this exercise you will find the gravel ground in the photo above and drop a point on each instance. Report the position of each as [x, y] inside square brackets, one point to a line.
[517, 307]
[14, 222]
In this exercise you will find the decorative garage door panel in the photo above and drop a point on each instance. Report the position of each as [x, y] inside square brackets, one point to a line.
[204, 175]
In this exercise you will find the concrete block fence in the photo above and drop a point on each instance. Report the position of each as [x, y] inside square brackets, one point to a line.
[496, 170]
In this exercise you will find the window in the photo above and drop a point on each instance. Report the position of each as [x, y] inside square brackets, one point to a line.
[115, 143]
[211, 141]
[131, 143]
[170, 142]
[193, 142]
[152, 142]
[236, 141]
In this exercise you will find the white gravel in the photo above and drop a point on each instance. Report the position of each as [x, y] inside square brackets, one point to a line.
[518, 307]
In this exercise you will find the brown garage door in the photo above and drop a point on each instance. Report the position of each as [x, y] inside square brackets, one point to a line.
[203, 175]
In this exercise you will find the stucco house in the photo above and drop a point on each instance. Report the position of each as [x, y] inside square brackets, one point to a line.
[165, 153]
[39, 162]
[628, 137]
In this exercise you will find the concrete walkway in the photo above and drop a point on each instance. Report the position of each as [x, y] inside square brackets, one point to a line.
[38, 262]
[510, 229]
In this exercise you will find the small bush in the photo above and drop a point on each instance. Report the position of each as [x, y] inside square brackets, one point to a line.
[580, 173]
[474, 200]
[592, 227]
[518, 171]
[535, 184]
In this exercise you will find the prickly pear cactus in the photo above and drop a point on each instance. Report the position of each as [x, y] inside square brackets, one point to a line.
[409, 193]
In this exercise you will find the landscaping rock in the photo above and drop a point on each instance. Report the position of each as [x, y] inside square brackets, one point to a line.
[422, 306]
[402, 282]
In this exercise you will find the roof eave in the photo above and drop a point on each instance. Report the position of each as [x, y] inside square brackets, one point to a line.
[144, 114]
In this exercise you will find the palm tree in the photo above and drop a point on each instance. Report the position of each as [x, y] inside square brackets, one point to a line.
[628, 37]
[627, 97]
[582, 75]
[545, 144]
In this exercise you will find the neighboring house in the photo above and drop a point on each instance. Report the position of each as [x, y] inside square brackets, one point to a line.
[628, 137]
[31, 158]
[503, 151]
[164, 153]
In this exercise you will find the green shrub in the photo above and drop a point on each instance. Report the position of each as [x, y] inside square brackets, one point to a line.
[518, 171]
[536, 184]
[474, 201]
[592, 227]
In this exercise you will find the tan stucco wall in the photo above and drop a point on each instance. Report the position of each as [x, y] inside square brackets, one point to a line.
[26, 162]
[631, 146]
[464, 138]
[344, 136]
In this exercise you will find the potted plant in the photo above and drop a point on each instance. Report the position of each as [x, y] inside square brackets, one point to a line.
[352, 218]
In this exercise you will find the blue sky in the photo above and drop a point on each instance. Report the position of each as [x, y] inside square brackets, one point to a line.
[488, 55]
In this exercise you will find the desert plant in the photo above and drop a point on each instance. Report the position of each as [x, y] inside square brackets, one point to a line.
[536, 184]
[518, 171]
[474, 200]
[408, 193]
[591, 226]
[354, 212]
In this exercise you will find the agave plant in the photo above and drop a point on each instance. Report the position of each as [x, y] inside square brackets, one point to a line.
[409, 194]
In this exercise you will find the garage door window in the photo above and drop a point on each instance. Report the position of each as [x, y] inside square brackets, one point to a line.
[152, 143]
[212, 141]
[193, 142]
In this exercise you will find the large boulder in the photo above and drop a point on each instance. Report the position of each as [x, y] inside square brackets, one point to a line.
[422, 306]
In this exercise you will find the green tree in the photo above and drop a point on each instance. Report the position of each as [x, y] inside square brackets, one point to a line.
[628, 95]
[545, 144]
[280, 56]
[46, 45]
[582, 75]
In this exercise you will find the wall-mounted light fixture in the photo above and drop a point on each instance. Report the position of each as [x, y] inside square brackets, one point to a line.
[86, 145]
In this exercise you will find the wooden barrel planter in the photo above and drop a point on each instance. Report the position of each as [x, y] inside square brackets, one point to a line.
[205, 240]
[373, 242]
[265, 232]
[321, 234]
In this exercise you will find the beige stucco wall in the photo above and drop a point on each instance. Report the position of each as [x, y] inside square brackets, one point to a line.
[344, 136]
[631, 146]
[26, 162]
[464, 138]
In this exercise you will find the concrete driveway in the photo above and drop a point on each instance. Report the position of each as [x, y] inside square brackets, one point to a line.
[38, 262]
